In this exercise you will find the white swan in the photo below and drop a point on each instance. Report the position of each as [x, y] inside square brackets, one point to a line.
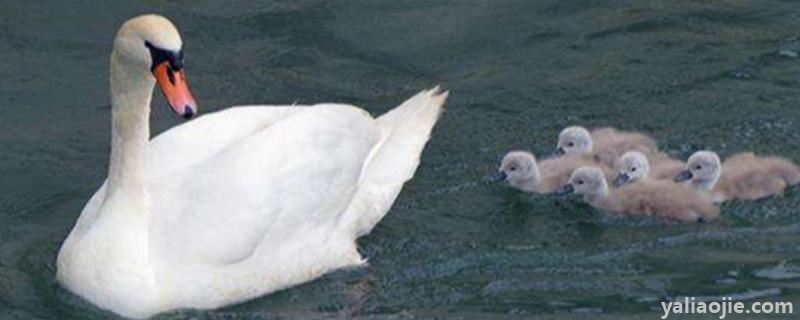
[235, 204]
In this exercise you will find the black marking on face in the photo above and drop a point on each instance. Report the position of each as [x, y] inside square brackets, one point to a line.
[171, 76]
[159, 56]
[565, 190]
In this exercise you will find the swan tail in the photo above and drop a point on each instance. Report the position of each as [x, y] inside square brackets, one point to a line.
[789, 171]
[405, 129]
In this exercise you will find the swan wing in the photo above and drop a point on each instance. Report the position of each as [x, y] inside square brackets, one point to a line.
[296, 175]
[404, 132]
[195, 141]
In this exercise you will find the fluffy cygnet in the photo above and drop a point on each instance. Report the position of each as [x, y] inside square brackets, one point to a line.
[660, 198]
[521, 170]
[634, 166]
[743, 176]
[604, 145]
[664, 167]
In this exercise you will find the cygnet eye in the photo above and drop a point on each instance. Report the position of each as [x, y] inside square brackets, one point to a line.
[633, 169]
[698, 167]
[580, 181]
[512, 168]
[571, 144]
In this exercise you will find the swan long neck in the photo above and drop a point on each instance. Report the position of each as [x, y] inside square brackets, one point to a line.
[131, 92]
[706, 184]
[531, 181]
[536, 174]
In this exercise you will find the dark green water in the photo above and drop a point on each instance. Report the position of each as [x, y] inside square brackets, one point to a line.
[695, 74]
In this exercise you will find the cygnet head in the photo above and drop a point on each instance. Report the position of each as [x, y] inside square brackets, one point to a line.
[587, 181]
[633, 166]
[518, 167]
[574, 140]
[150, 47]
[702, 170]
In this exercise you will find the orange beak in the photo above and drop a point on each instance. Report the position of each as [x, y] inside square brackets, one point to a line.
[176, 91]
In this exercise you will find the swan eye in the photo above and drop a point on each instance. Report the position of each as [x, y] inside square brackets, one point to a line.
[158, 56]
[512, 168]
[633, 169]
[698, 167]
[571, 144]
[580, 181]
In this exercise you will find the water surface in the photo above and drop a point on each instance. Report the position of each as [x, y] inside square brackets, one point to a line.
[695, 74]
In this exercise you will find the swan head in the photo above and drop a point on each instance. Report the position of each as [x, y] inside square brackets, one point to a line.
[151, 44]
[702, 169]
[587, 181]
[633, 166]
[517, 167]
[574, 140]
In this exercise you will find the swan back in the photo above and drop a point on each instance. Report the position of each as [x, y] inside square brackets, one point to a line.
[746, 176]
[664, 167]
[610, 144]
[667, 199]
[647, 197]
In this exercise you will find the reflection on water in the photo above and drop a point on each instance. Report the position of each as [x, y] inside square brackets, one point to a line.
[719, 75]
